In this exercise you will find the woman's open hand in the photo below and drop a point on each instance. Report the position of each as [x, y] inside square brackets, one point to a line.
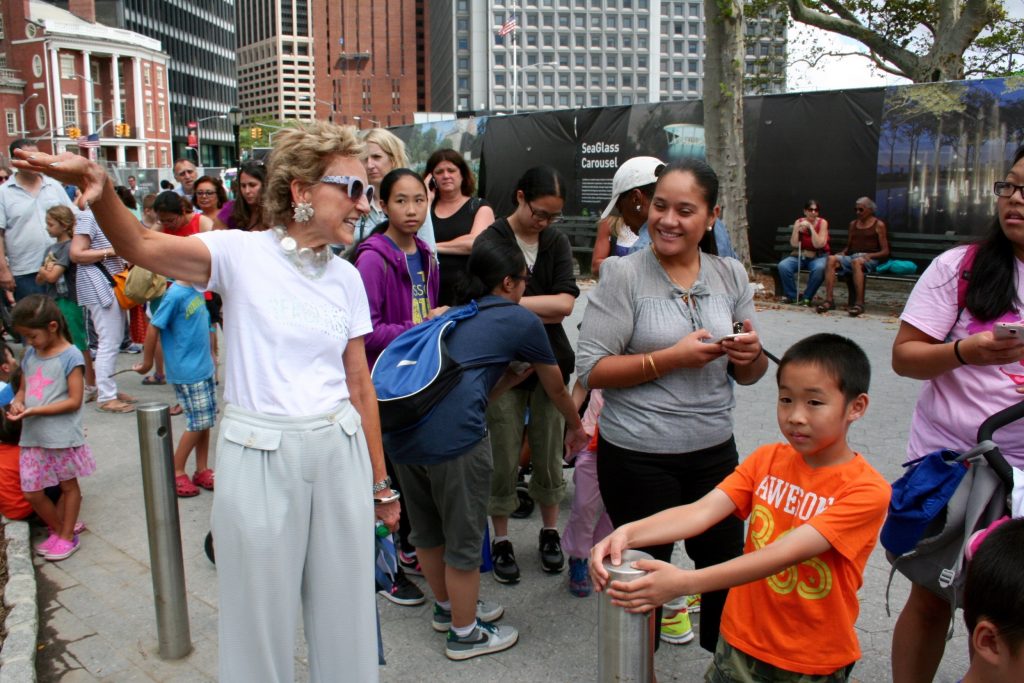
[67, 168]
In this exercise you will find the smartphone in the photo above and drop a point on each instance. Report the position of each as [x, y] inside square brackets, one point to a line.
[432, 185]
[1009, 331]
[723, 338]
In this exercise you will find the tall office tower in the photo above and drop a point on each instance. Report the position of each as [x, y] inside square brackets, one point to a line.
[370, 60]
[275, 59]
[199, 37]
[557, 54]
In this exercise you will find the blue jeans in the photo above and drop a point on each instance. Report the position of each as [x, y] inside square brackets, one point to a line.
[24, 285]
[787, 274]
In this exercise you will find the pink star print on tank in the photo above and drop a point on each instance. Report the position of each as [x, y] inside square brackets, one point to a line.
[36, 384]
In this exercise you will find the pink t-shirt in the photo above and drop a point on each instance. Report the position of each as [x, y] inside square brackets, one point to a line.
[952, 406]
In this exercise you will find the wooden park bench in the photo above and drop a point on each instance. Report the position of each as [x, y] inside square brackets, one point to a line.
[582, 232]
[905, 246]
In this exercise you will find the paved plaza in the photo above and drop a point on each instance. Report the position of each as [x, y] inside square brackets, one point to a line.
[97, 618]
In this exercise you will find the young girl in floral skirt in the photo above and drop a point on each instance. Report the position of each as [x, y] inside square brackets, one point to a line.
[49, 404]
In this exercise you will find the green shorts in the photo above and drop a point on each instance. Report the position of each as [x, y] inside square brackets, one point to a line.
[76, 323]
[732, 666]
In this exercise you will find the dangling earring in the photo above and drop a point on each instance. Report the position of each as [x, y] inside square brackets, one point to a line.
[638, 208]
[303, 211]
[711, 227]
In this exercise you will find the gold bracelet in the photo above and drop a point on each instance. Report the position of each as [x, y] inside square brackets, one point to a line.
[643, 368]
[650, 357]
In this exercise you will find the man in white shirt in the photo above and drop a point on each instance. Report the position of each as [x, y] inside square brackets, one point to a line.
[24, 201]
[185, 173]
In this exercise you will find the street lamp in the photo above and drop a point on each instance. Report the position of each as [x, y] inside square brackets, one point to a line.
[24, 130]
[329, 103]
[373, 122]
[236, 116]
[199, 159]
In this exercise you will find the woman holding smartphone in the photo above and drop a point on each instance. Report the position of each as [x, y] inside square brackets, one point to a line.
[947, 338]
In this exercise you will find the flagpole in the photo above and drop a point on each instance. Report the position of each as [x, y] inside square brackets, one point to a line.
[515, 63]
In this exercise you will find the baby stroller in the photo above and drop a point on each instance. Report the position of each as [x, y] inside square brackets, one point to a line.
[940, 503]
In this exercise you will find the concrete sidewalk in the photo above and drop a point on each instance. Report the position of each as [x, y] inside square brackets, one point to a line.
[96, 608]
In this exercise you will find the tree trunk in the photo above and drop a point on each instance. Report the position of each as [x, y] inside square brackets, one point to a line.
[723, 115]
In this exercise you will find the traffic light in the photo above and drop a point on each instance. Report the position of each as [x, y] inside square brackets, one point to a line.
[74, 132]
[122, 130]
[256, 133]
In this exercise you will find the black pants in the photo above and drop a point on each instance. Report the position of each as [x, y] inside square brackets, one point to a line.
[635, 485]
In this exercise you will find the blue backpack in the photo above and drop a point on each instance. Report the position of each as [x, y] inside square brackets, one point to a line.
[414, 372]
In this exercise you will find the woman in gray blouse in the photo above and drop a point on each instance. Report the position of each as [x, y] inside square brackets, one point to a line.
[651, 338]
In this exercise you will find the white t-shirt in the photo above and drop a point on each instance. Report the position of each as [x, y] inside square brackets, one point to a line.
[953, 405]
[285, 333]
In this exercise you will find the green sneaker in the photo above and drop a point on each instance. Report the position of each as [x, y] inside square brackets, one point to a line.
[676, 629]
[485, 611]
[484, 640]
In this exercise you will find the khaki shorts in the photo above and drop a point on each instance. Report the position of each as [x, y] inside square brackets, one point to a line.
[732, 666]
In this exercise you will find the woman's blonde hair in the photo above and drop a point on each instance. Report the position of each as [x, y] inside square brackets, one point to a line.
[63, 217]
[303, 153]
[390, 143]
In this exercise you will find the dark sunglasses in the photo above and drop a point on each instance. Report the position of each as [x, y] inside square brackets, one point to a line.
[354, 186]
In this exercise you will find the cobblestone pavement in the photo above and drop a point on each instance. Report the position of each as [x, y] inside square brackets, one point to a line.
[97, 614]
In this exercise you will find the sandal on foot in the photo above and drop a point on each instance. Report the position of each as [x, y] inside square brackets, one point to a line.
[856, 310]
[176, 409]
[115, 406]
[825, 306]
[184, 487]
[204, 479]
[90, 394]
[125, 398]
[154, 380]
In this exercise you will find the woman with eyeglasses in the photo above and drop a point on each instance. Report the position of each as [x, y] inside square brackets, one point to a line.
[810, 244]
[5, 174]
[456, 215]
[948, 338]
[551, 293]
[300, 467]
[867, 246]
[209, 196]
[653, 338]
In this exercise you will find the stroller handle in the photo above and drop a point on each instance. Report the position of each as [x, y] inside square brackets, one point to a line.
[988, 428]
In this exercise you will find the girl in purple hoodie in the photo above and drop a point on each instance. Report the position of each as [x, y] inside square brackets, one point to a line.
[398, 269]
[401, 278]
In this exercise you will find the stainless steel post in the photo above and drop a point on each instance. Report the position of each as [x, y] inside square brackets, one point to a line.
[625, 648]
[164, 530]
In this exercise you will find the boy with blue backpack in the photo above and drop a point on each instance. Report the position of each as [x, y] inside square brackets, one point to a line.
[814, 506]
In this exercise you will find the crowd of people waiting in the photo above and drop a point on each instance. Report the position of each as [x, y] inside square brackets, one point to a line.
[668, 335]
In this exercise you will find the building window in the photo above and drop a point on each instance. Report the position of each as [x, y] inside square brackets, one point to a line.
[67, 66]
[165, 160]
[69, 106]
[162, 117]
[159, 77]
[94, 71]
[97, 115]
[12, 122]
[1, 27]
[149, 115]
[41, 117]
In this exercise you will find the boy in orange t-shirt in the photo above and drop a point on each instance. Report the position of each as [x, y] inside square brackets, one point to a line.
[815, 508]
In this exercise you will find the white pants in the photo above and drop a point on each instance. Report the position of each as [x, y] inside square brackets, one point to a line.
[109, 324]
[293, 517]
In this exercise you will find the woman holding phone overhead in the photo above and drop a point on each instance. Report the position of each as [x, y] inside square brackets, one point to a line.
[457, 216]
[300, 466]
[665, 434]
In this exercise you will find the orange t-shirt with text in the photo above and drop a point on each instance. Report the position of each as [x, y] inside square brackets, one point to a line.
[12, 502]
[802, 619]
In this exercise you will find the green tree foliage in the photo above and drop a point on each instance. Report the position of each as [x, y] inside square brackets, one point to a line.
[920, 40]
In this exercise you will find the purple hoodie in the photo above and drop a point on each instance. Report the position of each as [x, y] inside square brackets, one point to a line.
[388, 284]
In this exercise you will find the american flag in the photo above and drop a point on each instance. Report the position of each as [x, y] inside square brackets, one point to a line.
[508, 26]
[89, 141]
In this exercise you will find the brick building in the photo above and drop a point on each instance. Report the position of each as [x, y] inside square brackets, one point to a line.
[72, 84]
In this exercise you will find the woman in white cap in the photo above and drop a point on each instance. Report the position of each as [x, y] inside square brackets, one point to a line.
[623, 226]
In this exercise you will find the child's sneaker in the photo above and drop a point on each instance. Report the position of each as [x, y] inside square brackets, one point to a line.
[44, 547]
[409, 563]
[693, 604]
[485, 611]
[485, 639]
[403, 591]
[676, 629]
[579, 577]
[61, 549]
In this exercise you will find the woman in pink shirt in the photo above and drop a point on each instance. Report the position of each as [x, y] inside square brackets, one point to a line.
[946, 339]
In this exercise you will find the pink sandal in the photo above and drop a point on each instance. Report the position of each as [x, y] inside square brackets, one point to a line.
[204, 479]
[183, 487]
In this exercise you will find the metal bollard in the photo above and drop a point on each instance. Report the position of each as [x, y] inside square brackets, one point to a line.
[625, 648]
[164, 530]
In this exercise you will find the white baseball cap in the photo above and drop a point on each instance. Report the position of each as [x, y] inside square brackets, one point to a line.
[636, 172]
